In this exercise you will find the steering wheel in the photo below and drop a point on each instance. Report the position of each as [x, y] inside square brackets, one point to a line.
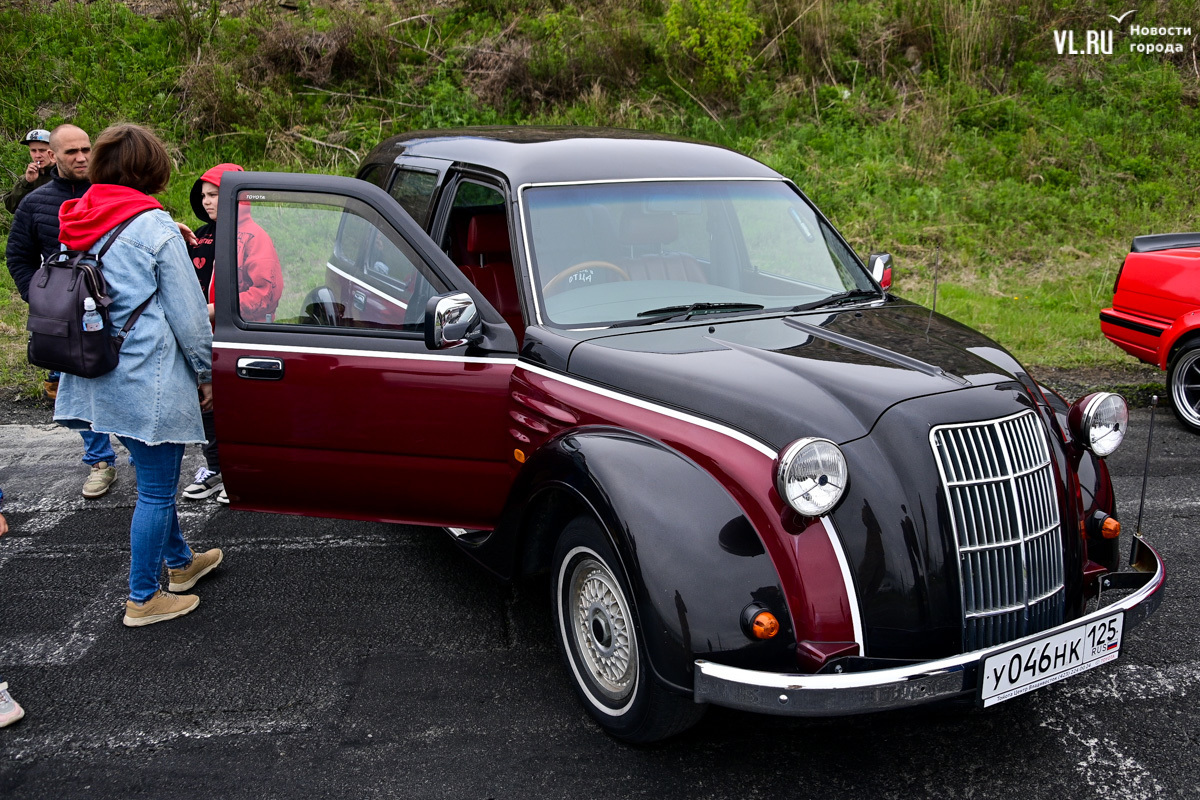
[557, 282]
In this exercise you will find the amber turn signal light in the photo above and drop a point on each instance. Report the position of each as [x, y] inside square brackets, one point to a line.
[1110, 528]
[519, 455]
[765, 625]
[758, 623]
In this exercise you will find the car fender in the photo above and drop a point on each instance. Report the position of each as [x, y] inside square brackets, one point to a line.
[1178, 331]
[693, 559]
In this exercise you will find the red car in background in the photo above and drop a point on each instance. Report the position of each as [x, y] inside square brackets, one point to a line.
[1155, 314]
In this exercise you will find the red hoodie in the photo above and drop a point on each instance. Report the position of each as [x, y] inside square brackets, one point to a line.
[260, 278]
[103, 207]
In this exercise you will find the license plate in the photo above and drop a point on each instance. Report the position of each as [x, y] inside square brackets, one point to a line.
[1032, 665]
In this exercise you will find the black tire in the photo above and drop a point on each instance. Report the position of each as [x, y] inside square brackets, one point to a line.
[1183, 380]
[601, 642]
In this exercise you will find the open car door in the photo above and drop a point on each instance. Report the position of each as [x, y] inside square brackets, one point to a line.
[327, 399]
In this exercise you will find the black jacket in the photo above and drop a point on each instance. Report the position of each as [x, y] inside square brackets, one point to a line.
[23, 187]
[34, 233]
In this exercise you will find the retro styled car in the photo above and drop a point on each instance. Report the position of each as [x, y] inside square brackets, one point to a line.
[653, 372]
[1155, 314]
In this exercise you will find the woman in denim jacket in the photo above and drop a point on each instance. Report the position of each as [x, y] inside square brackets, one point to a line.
[149, 400]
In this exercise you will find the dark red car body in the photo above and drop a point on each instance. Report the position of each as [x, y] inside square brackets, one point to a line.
[420, 363]
[1155, 314]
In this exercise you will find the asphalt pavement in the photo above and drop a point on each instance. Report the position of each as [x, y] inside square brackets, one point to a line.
[347, 659]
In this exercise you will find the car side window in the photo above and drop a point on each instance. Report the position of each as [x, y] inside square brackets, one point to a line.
[373, 173]
[328, 261]
[414, 189]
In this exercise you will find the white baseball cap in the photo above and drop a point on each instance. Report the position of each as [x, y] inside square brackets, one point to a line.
[37, 135]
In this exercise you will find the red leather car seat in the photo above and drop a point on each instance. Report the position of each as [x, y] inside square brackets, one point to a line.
[643, 230]
[490, 267]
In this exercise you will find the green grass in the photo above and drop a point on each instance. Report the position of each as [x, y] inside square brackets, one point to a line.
[916, 129]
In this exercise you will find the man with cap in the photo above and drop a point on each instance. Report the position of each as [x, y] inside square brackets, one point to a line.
[34, 235]
[41, 159]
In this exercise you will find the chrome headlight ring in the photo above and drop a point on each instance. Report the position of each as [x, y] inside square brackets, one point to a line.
[811, 475]
[1099, 421]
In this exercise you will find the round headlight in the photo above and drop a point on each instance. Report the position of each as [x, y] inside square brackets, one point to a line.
[811, 476]
[1099, 421]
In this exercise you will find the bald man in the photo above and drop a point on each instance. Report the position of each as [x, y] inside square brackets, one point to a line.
[34, 236]
[34, 233]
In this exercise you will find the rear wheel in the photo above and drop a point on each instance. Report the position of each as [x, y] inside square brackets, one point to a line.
[1183, 378]
[597, 630]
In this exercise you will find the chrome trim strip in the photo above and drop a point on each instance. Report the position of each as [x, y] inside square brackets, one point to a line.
[358, 282]
[692, 179]
[795, 694]
[682, 416]
[338, 351]
[848, 580]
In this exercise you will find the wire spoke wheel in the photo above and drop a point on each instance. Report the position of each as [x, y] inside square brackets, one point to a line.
[1185, 388]
[596, 625]
[602, 629]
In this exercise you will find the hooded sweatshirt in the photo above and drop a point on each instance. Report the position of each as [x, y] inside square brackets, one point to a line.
[260, 278]
[203, 250]
[103, 207]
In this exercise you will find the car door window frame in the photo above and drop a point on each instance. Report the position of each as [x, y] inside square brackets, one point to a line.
[498, 337]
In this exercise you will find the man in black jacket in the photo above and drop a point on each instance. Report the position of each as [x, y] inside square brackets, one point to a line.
[37, 174]
[34, 235]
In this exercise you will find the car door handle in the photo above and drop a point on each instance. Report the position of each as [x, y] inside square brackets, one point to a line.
[259, 368]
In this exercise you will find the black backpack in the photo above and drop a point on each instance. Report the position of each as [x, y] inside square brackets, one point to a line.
[57, 340]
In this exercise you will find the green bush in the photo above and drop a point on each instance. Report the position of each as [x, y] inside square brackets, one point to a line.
[717, 35]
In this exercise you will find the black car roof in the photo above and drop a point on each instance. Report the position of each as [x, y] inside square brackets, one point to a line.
[546, 155]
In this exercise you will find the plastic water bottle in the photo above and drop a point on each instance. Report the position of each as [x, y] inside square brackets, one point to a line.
[92, 321]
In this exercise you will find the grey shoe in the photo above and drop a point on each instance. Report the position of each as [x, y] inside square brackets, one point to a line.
[102, 476]
[206, 484]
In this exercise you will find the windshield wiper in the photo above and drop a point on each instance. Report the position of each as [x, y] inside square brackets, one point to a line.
[676, 312]
[838, 299]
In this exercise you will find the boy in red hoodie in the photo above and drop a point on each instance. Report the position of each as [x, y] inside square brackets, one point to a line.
[260, 285]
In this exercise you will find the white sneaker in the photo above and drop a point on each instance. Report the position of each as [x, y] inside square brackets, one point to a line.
[222, 497]
[206, 484]
[10, 710]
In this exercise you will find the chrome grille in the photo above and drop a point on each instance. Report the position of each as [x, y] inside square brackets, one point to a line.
[1004, 511]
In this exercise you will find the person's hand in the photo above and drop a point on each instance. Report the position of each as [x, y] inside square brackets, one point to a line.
[188, 237]
[31, 172]
[3, 525]
[206, 400]
[212, 314]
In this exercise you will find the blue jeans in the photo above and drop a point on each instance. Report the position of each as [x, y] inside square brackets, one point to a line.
[154, 536]
[97, 447]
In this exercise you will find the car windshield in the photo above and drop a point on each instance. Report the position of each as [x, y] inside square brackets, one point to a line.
[651, 251]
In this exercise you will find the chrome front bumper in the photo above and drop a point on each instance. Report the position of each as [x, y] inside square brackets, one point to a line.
[802, 695]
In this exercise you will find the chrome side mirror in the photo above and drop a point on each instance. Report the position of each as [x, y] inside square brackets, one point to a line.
[880, 267]
[450, 320]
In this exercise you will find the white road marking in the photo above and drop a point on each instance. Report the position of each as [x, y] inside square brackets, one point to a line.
[71, 642]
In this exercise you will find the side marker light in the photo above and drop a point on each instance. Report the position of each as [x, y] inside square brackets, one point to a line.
[765, 626]
[1110, 528]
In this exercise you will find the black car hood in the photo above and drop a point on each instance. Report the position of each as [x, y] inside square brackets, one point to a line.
[779, 378]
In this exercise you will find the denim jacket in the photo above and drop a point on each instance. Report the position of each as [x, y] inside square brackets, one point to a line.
[151, 395]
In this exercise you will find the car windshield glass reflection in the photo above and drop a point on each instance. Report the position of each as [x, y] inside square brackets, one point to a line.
[629, 252]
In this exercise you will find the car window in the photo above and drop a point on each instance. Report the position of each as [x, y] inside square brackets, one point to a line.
[374, 173]
[604, 253]
[414, 189]
[329, 261]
